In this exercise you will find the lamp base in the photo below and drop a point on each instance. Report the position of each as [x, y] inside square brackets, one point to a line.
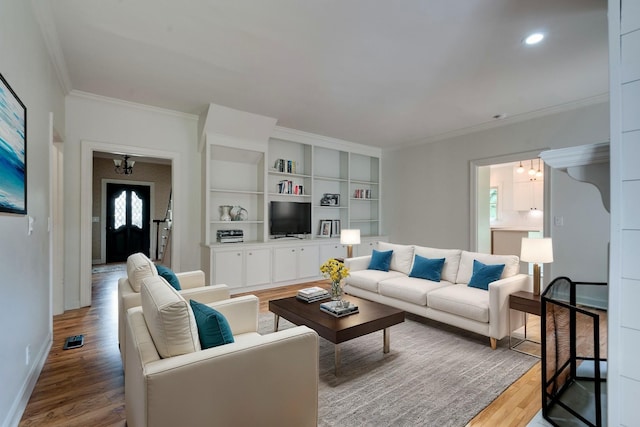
[536, 279]
[349, 251]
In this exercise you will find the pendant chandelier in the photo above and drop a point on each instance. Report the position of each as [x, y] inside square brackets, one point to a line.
[124, 166]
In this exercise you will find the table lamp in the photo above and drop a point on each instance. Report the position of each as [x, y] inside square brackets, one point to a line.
[350, 238]
[537, 251]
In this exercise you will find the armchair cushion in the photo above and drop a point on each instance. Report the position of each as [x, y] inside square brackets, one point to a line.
[139, 267]
[213, 328]
[169, 318]
[167, 274]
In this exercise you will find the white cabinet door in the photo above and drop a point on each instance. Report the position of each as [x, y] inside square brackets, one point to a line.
[309, 261]
[228, 268]
[522, 194]
[333, 250]
[365, 248]
[285, 264]
[537, 194]
[257, 266]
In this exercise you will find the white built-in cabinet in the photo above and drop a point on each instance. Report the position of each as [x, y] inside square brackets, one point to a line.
[249, 174]
[528, 195]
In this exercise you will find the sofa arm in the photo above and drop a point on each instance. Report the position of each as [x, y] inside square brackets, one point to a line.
[241, 313]
[275, 376]
[499, 292]
[191, 279]
[358, 263]
[207, 294]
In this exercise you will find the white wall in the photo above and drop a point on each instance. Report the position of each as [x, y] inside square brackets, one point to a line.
[110, 122]
[25, 318]
[426, 187]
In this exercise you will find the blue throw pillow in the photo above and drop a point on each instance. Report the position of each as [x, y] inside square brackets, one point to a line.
[484, 274]
[427, 268]
[380, 260]
[213, 328]
[169, 276]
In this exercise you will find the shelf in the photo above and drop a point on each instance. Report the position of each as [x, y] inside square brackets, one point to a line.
[328, 178]
[236, 222]
[356, 181]
[360, 199]
[220, 190]
[330, 207]
[294, 175]
[289, 195]
[364, 220]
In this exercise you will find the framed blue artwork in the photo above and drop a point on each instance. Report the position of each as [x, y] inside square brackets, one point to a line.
[13, 151]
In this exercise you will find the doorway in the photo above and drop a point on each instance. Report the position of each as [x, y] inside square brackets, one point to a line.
[482, 204]
[128, 218]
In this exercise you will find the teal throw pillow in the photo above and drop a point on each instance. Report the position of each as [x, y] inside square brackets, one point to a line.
[427, 268]
[213, 328]
[380, 260]
[169, 276]
[484, 274]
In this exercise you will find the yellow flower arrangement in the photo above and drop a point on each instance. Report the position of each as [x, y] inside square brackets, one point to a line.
[334, 270]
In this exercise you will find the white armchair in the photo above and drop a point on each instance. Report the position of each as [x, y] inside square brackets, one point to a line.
[140, 267]
[266, 380]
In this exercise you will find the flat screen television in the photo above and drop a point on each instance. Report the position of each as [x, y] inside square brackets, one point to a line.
[289, 218]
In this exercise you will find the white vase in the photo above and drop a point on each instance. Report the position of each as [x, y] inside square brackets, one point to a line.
[225, 214]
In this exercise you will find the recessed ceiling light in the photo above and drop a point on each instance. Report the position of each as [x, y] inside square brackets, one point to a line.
[500, 116]
[534, 38]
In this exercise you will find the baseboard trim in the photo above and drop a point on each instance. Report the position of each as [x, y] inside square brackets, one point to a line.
[22, 399]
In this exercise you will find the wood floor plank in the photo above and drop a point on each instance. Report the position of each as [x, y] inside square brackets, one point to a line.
[85, 386]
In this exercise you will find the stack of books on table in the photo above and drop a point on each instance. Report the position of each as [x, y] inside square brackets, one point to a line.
[312, 294]
[338, 308]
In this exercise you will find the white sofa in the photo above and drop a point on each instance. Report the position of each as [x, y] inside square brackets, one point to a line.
[266, 380]
[139, 267]
[450, 301]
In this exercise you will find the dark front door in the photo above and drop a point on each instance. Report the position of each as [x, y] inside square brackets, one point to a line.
[128, 220]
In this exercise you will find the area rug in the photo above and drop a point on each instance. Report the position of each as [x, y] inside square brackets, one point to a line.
[435, 375]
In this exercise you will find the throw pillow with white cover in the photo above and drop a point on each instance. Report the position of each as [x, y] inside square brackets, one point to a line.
[402, 257]
[169, 318]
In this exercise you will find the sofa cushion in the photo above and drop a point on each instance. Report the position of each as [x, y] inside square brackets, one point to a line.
[402, 257]
[167, 274]
[451, 260]
[139, 267]
[511, 264]
[169, 318]
[461, 300]
[409, 289]
[213, 328]
[484, 274]
[380, 260]
[369, 279]
[427, 268]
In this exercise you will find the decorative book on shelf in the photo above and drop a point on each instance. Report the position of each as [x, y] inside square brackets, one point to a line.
[337, 309]
[312, 294]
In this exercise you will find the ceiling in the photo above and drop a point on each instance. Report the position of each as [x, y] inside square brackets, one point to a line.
[381, 73]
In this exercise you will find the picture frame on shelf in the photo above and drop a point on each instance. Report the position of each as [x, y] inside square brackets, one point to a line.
[335, 228]
[329, 199]
[325, 228]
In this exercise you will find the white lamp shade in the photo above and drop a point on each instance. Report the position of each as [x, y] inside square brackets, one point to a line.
[117, 162]
[350, 237]
[539, 251]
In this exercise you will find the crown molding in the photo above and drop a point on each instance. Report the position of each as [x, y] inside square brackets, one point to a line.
[44, 17]
[300, 136]
[593, 100]
[129, 104]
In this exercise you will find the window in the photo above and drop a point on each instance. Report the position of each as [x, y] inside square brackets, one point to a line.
[493, 203]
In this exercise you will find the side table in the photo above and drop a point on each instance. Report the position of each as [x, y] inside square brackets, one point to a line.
[527, 303]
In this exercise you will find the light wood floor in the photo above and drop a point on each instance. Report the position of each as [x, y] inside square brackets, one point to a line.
[85, 386]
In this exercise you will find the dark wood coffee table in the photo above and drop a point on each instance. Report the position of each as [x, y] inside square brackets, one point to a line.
[372, 317]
